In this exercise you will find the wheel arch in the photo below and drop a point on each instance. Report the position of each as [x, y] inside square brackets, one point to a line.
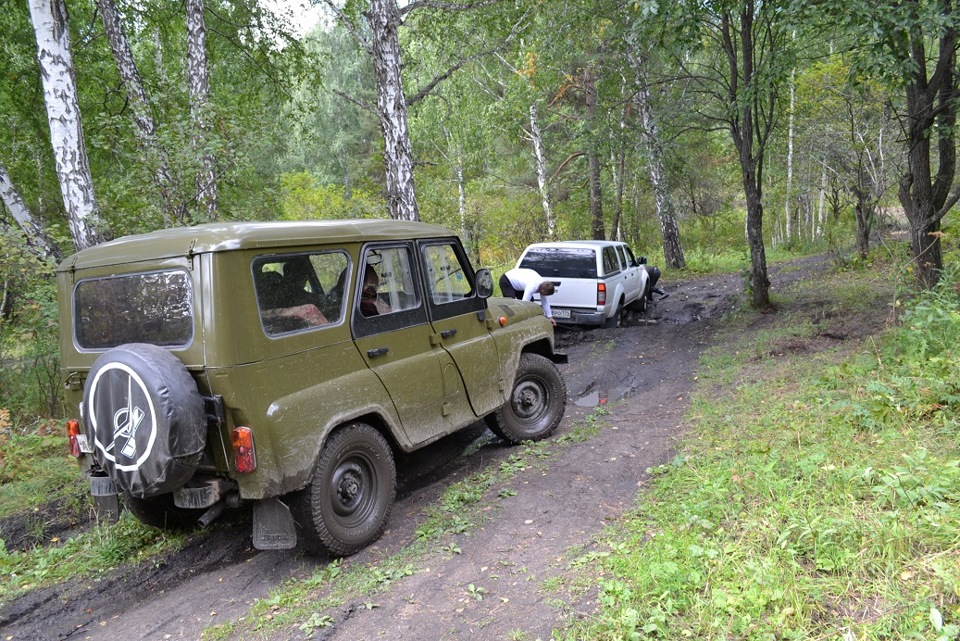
[372, 418]
[544, 347]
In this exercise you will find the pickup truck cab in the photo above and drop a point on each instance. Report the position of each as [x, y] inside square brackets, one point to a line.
[597, 280]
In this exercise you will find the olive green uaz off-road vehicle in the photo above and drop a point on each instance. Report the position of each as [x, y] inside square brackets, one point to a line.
[283, 364]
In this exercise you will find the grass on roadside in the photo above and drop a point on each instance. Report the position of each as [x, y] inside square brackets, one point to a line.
[817, 493]
[91, 553]
[35, 468]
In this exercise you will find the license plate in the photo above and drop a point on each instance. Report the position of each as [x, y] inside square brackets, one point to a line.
[560, 313]
[84, 444]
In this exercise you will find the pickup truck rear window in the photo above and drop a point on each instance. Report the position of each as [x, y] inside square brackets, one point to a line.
[152, 307]
[561, 262]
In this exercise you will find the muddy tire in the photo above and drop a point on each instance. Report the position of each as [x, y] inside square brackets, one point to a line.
[347, 502]
[145, 419]
[536, 403]
[639, 306]
[161, 512]
[616, 320]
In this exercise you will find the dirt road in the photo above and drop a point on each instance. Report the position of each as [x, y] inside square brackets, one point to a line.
[516, 561]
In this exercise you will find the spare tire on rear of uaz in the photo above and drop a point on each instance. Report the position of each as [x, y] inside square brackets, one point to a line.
[145, 418]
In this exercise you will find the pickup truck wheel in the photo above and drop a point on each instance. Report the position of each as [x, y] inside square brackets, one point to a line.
[616, 320]
[639, 306]
[161, 512]
[145, 419]
[536, 403]
[347, 502]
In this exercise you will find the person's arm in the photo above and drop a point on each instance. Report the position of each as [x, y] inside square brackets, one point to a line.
[545, 304]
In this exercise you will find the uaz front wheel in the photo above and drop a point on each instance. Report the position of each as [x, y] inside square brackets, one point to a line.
[536, 404]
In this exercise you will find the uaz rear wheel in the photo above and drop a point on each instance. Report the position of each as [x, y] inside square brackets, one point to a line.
[347, 502]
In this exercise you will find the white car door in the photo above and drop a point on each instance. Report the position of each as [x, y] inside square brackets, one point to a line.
[633, 281]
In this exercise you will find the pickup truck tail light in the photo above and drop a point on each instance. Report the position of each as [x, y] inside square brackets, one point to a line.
[244, 454]
[73, 433]
[601, 294]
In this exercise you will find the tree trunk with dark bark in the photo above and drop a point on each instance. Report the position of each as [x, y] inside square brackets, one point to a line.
[743, 130]
[863, 210]
[931, 114]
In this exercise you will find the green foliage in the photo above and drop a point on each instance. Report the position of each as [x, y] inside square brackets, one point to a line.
[29, 362]
[732, 543]
[920, 364]
[35, 468]
[304, 199]
[315, 622]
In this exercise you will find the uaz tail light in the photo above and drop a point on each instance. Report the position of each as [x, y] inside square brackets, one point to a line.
[73, 433]
[244, 454]
[601, 294]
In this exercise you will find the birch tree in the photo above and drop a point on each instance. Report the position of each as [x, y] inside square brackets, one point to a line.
[589, 81]
[199, 84]
[34, 234]
[847, 126]
[141, 111]
[50, 25]
[533, 132]
[535, 136]
[656, 166]
[381, 40]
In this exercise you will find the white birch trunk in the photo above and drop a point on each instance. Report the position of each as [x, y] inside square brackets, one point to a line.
[58, 75]
[146, 128]
[384, 20]
[199, 82]
[462, 199]
[536, 137]
[669, 231]
[821, 201]
[35, 235]
[786, 203]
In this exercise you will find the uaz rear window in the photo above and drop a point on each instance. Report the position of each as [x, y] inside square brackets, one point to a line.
[153, 307]
[561, 262]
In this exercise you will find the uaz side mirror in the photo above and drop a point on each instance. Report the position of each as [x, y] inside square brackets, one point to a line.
[484, 283]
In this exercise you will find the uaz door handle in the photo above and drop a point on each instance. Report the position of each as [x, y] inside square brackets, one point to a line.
[380, 351]
[447, 333]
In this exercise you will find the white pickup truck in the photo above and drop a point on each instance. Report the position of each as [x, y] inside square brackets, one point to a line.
[597, 280]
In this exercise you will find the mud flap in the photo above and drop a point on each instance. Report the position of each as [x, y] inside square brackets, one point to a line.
[106, 508]
[106, 503]
[273, 527]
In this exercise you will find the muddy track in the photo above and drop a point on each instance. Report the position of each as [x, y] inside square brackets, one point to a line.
[643, 373]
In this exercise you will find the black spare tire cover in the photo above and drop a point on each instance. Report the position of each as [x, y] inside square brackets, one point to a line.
[145, 418]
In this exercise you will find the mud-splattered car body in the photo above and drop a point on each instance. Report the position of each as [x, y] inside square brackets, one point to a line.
[284, 363]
